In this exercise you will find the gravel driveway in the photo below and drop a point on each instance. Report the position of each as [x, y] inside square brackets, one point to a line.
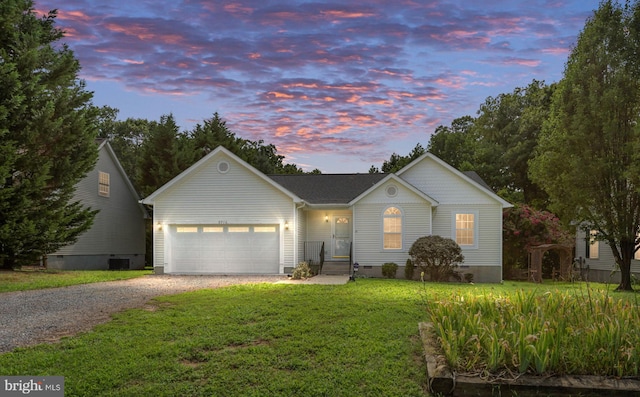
[32, 317]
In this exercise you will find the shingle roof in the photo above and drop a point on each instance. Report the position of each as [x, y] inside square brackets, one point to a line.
[478, 179]
[327, 188]
[339, 188]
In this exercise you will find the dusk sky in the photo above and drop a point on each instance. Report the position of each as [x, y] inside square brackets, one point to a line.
[334, 85]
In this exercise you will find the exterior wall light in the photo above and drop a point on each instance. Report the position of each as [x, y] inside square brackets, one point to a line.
[286, 225]
[326, 218]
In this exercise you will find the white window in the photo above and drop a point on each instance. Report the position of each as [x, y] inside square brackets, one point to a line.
[238, 229]
[187, 229]
[212, 229]
[103, 184]
[264, 229]
[593, 249]
[465, 229]
[392, 229]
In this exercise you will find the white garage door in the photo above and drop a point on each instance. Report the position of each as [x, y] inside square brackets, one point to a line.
[226, 249]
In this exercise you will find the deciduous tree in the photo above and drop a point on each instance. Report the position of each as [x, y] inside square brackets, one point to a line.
[587, 157]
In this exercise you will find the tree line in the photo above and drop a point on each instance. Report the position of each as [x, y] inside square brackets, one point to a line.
[153, 152]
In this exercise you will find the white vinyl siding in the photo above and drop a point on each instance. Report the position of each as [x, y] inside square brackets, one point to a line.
[456, 194]
[488, 238]
[368, 237]
[445, 186]
[369, 226]
[236, 197]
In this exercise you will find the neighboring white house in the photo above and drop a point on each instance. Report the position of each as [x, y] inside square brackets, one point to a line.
[222, 216]
[116, 239]
[598, 262]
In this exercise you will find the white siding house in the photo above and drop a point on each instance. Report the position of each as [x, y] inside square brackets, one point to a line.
[222, 216]
[117, 237]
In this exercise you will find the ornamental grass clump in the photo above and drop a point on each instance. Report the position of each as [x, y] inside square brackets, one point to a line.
[555, 333]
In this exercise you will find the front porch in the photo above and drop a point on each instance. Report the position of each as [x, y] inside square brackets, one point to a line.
[314, 255]
[327, 240]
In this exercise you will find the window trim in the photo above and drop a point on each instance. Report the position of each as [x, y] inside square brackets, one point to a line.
[104, 184]
[401, 233]
[454, 228]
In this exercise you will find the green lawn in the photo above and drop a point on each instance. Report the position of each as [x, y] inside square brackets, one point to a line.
[22, 280]
[359, 339]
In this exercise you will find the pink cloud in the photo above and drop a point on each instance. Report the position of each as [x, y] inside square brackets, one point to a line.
[336, 76]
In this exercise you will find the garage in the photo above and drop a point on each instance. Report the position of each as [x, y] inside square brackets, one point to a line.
[225, 249]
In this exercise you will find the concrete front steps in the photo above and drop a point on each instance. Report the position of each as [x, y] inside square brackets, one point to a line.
[336, 268]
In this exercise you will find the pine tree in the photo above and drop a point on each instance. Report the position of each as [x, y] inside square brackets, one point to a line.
[47, 137]
[164, 155]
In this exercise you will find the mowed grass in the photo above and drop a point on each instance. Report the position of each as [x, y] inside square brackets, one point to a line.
[29, 279]
[359, 339]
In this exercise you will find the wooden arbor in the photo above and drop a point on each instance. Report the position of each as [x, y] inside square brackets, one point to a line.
[537, 253]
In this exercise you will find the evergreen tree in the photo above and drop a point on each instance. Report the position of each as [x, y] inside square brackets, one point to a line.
[396, 162]
[126, 139]
[164, 154]
[211, 134]
[47, 137]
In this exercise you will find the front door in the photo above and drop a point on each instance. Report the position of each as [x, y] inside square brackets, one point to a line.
[341, 236]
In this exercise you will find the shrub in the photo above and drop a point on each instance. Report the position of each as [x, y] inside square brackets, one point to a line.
[409, 269]
[524, 227]
[437, 256]
[389, 270]
[301, 271]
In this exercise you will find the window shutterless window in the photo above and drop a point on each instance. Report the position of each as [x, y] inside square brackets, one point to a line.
[465, 229]
[392, 228]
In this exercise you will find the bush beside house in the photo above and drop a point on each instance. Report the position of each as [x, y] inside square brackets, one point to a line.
[389, 270]
[438, 257]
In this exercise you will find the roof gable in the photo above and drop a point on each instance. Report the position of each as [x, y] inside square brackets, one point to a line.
[103, 144]
[470, 178]
[203, 162]
[400, 181]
